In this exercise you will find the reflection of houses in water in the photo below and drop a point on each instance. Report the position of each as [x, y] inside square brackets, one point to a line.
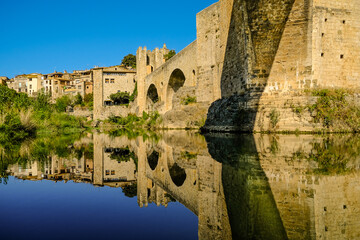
[114, 162]
[31, 171]
[56, 168]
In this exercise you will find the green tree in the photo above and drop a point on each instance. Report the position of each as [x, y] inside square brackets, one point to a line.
[129, 61]
[170, 55]
[78, 99]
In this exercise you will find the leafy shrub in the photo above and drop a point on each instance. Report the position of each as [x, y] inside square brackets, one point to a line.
[189, 100]
[78, 99]
[274, 118]
[120, 98]
[62, 103]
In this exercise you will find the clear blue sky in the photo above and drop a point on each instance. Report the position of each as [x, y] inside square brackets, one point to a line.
[47, 35]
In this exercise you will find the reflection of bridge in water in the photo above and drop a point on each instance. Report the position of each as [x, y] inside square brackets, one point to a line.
[240, 187]
[254, 186]
[176, 167]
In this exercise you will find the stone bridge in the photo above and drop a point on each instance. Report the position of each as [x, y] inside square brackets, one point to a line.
[252, 52]
[183, 87]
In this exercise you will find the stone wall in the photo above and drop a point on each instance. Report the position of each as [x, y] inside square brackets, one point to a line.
[275, 53]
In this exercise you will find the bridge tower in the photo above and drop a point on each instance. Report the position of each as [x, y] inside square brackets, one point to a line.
[147, 61]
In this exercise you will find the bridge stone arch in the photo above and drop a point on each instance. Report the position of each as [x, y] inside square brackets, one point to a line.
[177, 174]
[153, 160]
[176, 81]
[152, 96]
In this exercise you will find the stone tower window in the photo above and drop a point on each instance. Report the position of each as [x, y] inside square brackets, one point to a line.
[344, 22]
[326, 19]
[322, 54]
[323, 34]
[147, 60]
[341, 56]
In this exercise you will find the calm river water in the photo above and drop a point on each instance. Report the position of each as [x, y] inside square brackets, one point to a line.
[181, 185]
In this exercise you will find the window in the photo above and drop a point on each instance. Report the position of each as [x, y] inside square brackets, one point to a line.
[115, 74]
[79, 87]
[112, 172]
[106, 80]
[107, 172]
[112, 80]
[30, 87]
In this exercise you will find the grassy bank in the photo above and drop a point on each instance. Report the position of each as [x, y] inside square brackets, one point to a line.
[22, 116]
[335, 109]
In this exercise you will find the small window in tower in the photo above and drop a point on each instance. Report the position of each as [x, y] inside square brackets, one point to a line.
[323, 34]
[344, 21]
[326, 19]
[322, 54]
[341, 56]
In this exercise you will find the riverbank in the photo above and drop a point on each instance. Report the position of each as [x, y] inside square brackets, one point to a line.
[23, 117]
[316, 111]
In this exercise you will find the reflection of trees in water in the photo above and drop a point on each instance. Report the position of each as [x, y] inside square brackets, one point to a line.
[130, 190]
[177, 174]
[39, 150]
[4, 175]
[123, 155]
[333, 155]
